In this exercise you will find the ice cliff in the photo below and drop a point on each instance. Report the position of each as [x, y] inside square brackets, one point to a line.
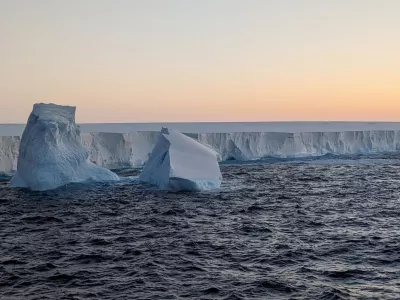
[180, 163]
[113, 150]
[9, 148]
[117, 150]
[120, 150]
[51, 153]
[247, 145]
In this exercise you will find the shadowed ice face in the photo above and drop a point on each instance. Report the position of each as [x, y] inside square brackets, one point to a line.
[50, 145]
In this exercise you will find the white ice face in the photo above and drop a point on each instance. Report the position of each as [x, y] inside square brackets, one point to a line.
[51, 153]
[257, 145]
[179, 162]
[131, 149]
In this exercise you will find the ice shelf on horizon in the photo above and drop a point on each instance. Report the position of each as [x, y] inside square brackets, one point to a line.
[121, 150]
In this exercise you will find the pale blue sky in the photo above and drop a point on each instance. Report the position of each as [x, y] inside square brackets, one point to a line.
[209, 60]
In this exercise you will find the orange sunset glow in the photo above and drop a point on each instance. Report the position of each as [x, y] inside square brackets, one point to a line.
[153, 61]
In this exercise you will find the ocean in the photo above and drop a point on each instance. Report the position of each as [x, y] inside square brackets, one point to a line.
[280, 229]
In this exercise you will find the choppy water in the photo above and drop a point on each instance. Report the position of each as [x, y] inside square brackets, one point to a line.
[298, 230]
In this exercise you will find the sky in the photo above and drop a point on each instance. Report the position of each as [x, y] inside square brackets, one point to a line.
[202, 60]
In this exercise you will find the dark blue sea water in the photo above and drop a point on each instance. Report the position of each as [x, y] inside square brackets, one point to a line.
[325, 229]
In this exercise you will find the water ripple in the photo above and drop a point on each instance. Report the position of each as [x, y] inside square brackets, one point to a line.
[282, 230]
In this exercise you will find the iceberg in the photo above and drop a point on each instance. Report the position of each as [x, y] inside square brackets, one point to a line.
[180, 163]
[114, 150]
[51, 153]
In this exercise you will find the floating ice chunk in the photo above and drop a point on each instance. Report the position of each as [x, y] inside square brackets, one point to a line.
[51, 153]
[178, 163]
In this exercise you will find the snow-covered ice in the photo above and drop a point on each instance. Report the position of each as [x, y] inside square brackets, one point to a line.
[115, 150]
[179, 162]
[124, 148]
[119, 150]
[51, 153]
[9, 148]
[257, 145]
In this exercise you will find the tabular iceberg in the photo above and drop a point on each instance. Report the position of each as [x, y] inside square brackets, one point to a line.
[51, 153]
[132, 149]
[119, 150]
[252, 145]
[179, 163]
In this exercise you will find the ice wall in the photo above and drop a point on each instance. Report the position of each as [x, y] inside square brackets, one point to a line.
[9, 148]
[120, 150]
[247, 145]
[116, 150]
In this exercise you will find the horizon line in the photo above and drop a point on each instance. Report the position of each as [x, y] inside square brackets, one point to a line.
[222, 122]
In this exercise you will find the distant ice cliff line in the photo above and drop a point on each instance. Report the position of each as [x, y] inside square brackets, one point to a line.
[119, 150]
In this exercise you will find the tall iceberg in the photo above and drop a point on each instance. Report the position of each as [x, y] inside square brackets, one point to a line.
[51, 153]
[180, 163]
